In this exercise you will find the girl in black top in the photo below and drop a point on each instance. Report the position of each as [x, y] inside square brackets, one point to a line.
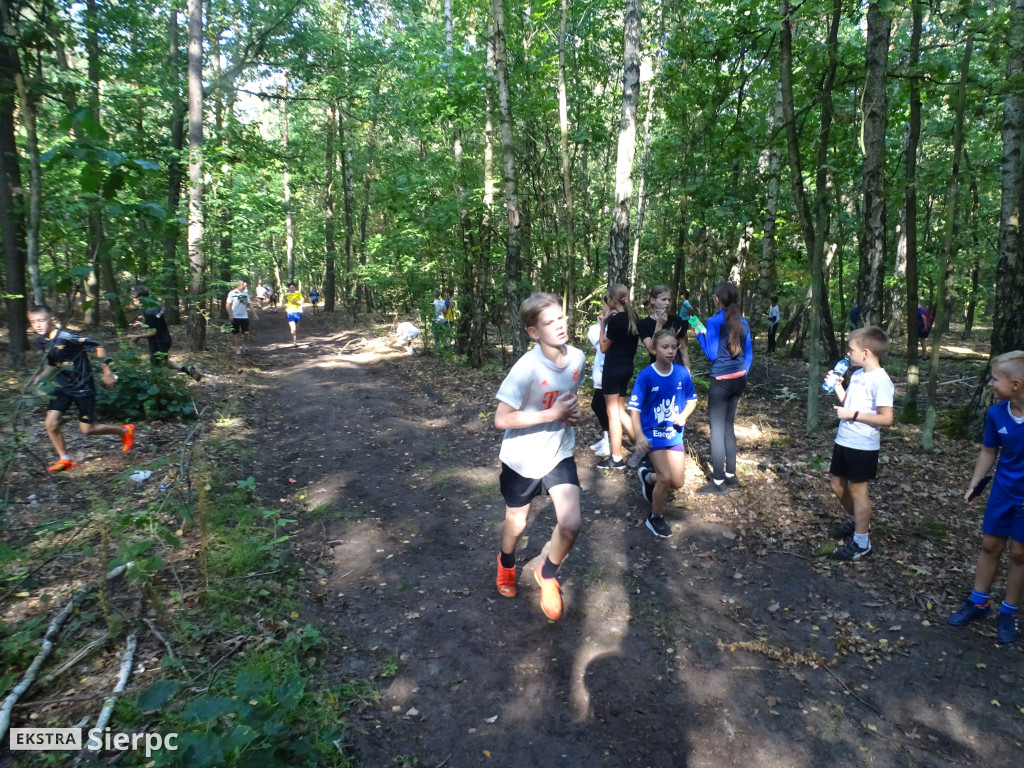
[619, 337]
[658, 303]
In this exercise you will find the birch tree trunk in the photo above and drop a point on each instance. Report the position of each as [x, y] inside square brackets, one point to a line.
[286, 179]
[196, 256]
[618, 247]
[27, 114]
[769, 165]
[570, 225]
[948, 243]
[874, 105]
[1007, 329]
[512, 298]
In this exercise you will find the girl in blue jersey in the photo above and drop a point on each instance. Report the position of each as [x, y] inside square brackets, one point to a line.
[726, 343]
[663, 397]
[1004, 517]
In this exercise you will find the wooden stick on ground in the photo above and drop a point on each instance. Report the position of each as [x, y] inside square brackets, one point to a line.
[49, 640]
[127, 661]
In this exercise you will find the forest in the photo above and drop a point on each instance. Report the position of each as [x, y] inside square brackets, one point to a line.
[836, 154]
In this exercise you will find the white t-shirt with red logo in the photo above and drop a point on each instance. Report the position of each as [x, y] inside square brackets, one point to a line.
[533, 384]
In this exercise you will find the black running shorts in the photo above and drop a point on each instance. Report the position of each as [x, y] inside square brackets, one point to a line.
[854, 465]
[86, 405]
[518, 491]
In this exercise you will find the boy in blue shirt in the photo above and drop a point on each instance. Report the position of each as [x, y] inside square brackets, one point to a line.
[663, 397]
[1004, 518]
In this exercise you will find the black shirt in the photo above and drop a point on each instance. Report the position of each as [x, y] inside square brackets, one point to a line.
[69, 352]
[673, 323]
[154, 318]
[623, 343]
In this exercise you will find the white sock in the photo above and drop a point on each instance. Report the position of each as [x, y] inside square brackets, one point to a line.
[729, 474]
[719, 482]
[861, 540]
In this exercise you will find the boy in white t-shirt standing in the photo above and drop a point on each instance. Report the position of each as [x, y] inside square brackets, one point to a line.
[537, 408]
[237, 305]
[866, 407]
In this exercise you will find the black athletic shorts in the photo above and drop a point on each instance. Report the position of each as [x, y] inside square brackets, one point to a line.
[615, 380]
[518, 491]
[86, 404]
[158, 349]
[239, 324]
[854, 465]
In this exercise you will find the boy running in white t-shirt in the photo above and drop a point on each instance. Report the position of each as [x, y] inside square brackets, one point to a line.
[537, 408]
[237, 306]
[866, 408]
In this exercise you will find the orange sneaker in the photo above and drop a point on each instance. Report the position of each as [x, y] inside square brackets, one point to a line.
[550, 594]
[128, 438]
[506, 580]
[61, 465]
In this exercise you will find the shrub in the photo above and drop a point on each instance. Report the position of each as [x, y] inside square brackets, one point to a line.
[145, 391]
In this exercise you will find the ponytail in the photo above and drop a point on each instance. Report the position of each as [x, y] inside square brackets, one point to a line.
[728, 296]
[620, 293]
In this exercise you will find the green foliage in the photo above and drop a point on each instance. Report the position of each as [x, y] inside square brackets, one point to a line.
[145, 392]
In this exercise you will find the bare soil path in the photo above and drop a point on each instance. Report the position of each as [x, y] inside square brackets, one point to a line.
[731, 643]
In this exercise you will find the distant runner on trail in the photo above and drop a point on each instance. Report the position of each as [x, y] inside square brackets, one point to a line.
[314, 299]
[159, 335]
[69, 352]
[293, 306]
[537, 408]
[237, 305]
[1004, 517]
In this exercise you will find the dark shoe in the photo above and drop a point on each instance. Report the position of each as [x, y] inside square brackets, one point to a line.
[1008, 627]
[611, 463]
[732, 482]
[194, 373]
[656, 524]
[646, 485]
[715, 489]
[850, 551]
[844, 530]
[968, 613]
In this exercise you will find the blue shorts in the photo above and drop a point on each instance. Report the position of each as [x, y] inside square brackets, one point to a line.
[1004, 517]
[294, 317]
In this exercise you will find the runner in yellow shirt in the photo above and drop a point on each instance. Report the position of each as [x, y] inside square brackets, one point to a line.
[293, 301]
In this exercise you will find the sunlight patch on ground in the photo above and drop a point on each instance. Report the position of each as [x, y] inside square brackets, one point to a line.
[749, 431]
[959, 350]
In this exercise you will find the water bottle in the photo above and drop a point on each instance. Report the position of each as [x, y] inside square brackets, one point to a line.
[697, 325]
[636, 457]
[836, 375]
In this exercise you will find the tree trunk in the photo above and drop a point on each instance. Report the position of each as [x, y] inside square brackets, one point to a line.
[570, 224]
[1007, 329]
[330, 286]
[948, 242]
[645, 162]
[874, 105]
[27, 114]
[196, 256]
[972, 298]
[289, 234]
[618, 247]
[512, 298]
[345, 151]
[12, 224]
[769, 166]
[169, 270]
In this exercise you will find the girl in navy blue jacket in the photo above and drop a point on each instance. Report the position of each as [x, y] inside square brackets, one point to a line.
[726, 343]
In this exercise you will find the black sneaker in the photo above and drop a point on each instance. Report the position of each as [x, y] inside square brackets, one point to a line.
[851, 551]
[843, 531]
[194, 373]
[611, 463]
[1007, 626]
[713, 488]
[732, 482]
[646, 486]
[658, 526]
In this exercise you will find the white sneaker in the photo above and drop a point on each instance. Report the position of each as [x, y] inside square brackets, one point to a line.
[603, 448]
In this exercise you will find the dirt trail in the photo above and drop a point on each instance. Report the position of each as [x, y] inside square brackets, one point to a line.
[402, 473]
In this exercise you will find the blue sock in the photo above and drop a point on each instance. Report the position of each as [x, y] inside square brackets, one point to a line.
[979, 598]
[1007, 608]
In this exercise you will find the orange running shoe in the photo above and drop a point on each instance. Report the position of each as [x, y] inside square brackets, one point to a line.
[128, 438]
[61, 465]
[550, 594]
[506, 580]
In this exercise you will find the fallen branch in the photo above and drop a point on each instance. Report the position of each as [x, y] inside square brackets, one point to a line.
[127, 661]
[48, 642]
[77, 658]
[872, 707]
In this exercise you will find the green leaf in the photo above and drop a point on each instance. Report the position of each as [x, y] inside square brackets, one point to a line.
[81, 273]
[207, 708]
[158, 694]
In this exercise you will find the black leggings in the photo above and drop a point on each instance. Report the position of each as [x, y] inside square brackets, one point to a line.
[600, 409]
[722, 400]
